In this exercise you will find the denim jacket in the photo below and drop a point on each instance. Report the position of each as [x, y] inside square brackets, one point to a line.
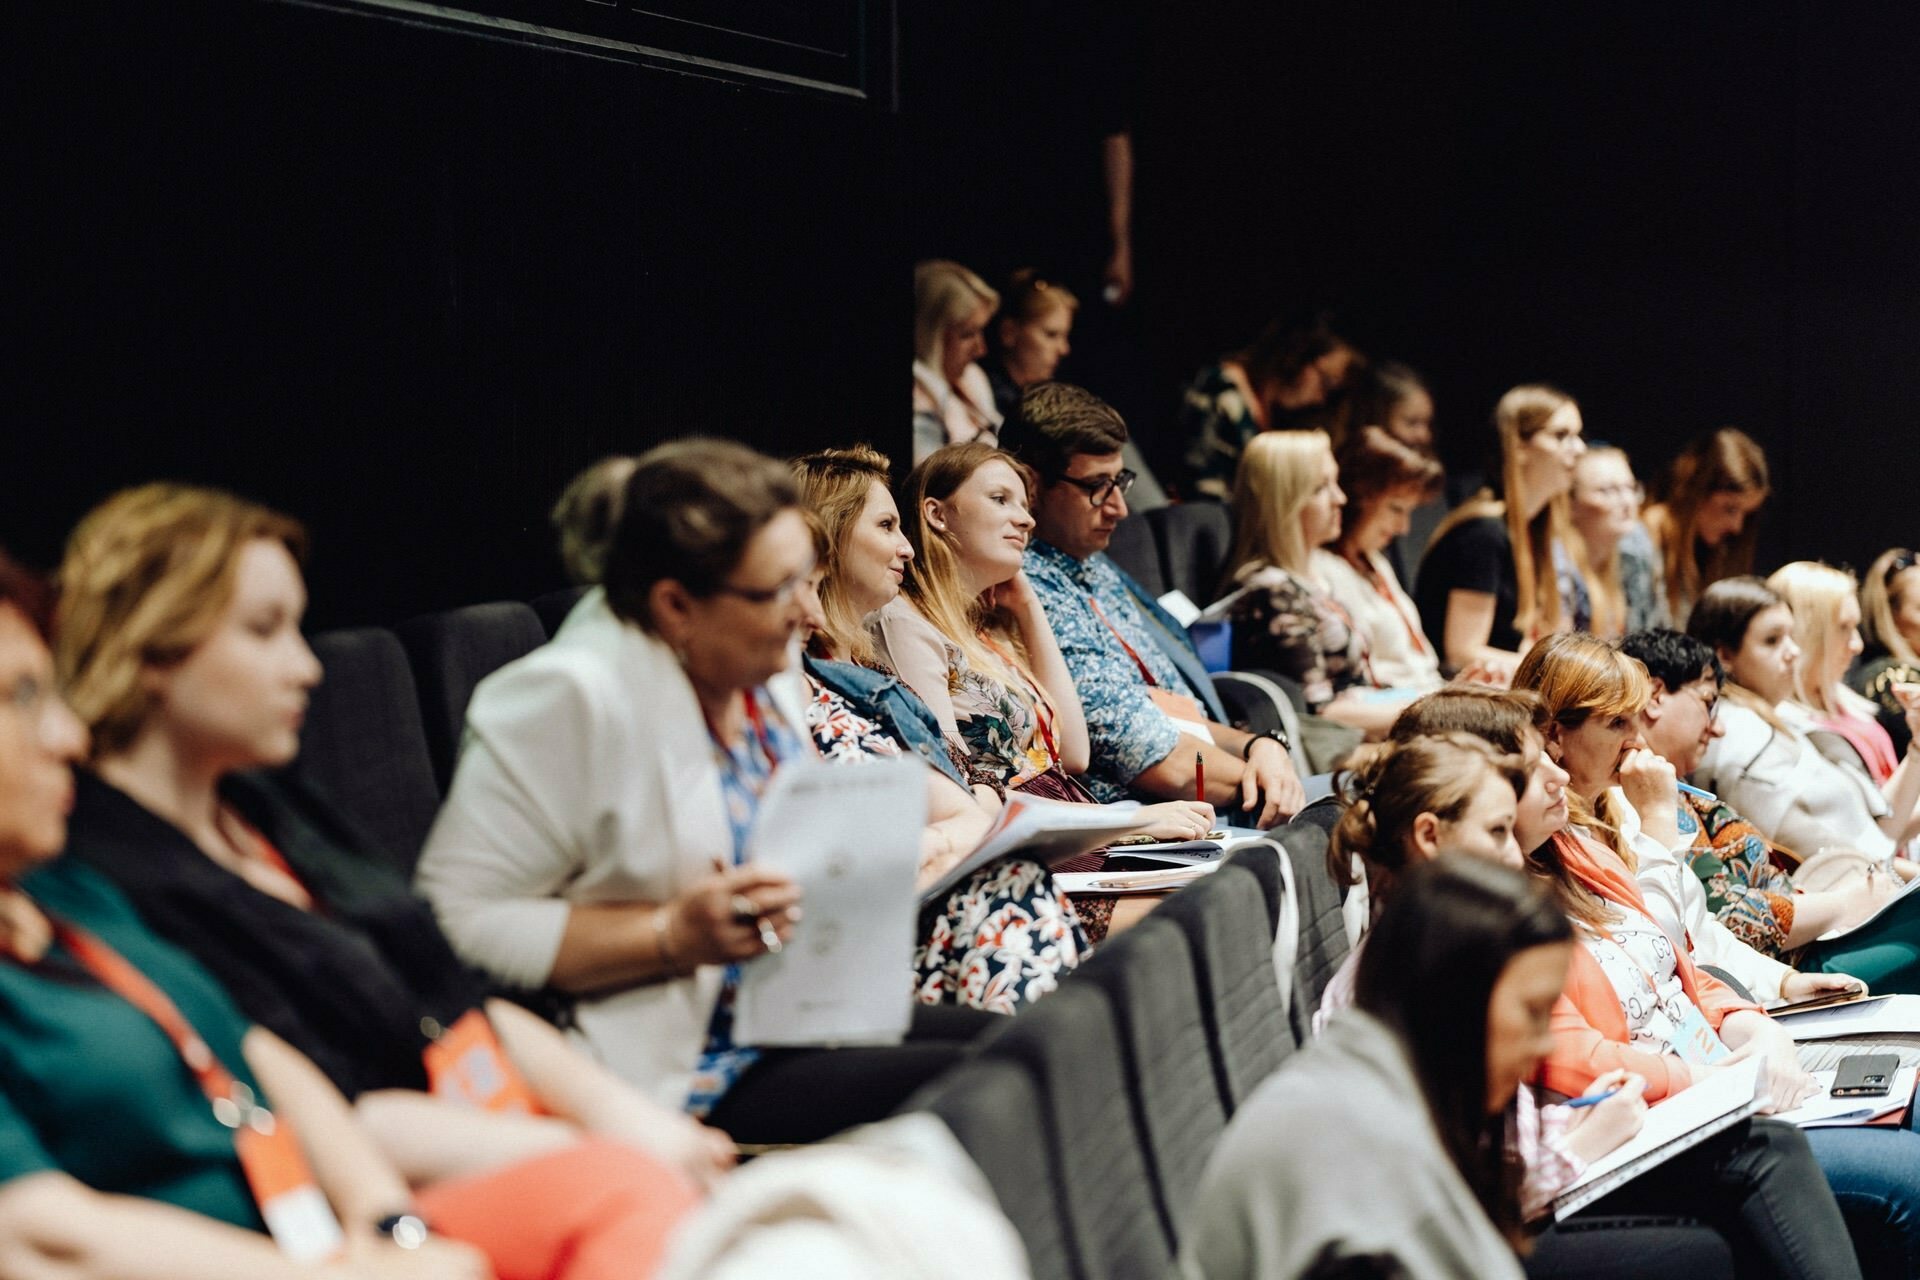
[887, 702]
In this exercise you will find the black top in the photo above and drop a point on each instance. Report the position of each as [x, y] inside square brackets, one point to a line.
[347, 984]
[1474, 555]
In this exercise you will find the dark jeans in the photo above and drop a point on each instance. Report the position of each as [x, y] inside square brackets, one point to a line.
[805, 1095]
[1757, 1188]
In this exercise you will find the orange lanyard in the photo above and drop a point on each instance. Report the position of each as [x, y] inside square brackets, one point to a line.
[1042, 709]
[1145, 673]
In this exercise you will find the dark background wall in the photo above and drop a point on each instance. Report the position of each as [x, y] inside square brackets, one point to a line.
[404, 280]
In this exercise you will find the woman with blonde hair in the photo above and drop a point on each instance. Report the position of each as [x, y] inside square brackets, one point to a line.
[1890, 626]
[1704, 525]
[1287, 502]
[1487, 586]
[1826, 628]
[952, 398]
[867, 554]
[1610, 579]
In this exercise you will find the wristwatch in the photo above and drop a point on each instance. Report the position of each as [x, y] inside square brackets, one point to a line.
[1246, 752]
[406, 1230]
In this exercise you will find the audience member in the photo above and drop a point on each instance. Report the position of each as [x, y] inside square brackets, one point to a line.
[180, 647]
[1610, 578]
[586, 514]
[1149, 706]
[1289, 368]
[952, 399]
[1766, 767]
[1487, 586]
[1286, 503]
[115, 1162]
[1826, 629]
[1385, 480]
[1628, 798]
[1704, 524]
[1393, 397]
[1734, 876]
[1031, 336]
[1890, 625]
[1419, 1078]
[1005, 934]
[595, 837]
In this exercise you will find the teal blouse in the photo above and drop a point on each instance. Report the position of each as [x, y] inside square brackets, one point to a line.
[90, 1086]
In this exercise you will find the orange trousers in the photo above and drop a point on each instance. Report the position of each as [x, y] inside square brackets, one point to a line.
[596, 1211]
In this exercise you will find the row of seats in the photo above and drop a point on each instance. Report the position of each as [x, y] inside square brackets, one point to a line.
[383, 728]
[1093, 1112]
[1179, 548]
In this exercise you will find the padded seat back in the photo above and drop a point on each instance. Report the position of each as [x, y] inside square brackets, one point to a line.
[363, 748]
[993, 1106]
[1069, 1042]
[1323, 929]
[1194, 540]
[451, 652]
[552, 608]
[1224, 916]
[1147, 973]
[1135, 549]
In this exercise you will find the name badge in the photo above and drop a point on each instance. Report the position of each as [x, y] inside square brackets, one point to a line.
[292, 1205]
[466, 1064]
[1693, 1039]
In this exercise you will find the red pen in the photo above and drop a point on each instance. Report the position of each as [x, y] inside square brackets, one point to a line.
[1200, 777]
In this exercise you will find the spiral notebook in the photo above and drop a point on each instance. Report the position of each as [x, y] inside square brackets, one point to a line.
[1681, 1122]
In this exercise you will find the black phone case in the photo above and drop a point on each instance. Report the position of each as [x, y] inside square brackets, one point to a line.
[1865, 1075]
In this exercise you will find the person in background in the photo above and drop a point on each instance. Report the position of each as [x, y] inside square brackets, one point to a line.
[1733, 873]
[952, 399]
[1148, 703]
[1487, 587]
[1386, 480]
[1826, 629]
[1610, 579]
[1890, 626]
[586, 515]
[595, 838]
[1287, 502]
[1770, 770]
[1031, 337]
[1393, 397]
[1288, 369]
[1704, 525]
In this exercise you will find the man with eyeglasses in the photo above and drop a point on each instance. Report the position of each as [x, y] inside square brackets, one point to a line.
[1150, 707]
[1718, 884]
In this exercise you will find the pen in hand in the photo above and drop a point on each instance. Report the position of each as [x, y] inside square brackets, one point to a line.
[1199, 777]
[745, 911]
[1592, 1100]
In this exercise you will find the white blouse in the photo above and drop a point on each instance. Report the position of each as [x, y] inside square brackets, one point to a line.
[1401, 655]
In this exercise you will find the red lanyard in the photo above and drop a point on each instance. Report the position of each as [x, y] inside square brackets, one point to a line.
[1145, 673]
[1420, 643]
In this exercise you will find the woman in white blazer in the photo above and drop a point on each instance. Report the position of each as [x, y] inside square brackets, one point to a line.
[593, 838]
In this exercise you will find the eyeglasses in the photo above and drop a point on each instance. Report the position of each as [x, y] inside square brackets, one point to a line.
[1099, 488]
[781, 592]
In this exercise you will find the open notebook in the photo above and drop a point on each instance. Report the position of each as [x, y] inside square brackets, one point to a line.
[1048, 831]
[1684, 1120]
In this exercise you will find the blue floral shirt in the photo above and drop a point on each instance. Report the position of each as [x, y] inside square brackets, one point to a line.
[1128, 733]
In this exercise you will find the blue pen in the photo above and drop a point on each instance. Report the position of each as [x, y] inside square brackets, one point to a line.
[1594, 1099]
[1697, 793]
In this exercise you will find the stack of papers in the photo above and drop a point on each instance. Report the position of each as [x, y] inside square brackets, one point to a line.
[1827, 1111]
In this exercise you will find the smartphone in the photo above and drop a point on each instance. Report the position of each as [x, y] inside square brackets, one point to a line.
[1865, 1075]
[1826, 999]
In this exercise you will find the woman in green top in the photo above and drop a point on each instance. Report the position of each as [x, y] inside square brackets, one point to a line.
[112, 1162]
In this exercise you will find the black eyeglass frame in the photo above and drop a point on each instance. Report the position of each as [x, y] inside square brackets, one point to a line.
[1099, 488]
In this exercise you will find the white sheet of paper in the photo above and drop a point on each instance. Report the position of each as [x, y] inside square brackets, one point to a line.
[849, 835]
[1891, 1015]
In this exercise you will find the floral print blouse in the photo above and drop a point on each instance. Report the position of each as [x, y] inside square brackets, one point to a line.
[1748, 894]
[1216, 422]
[1287, 624]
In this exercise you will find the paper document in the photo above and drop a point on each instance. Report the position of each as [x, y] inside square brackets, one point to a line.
[1124, 882]
[850, 838]
[1684, 1120]
[1886, 906]
[1222, 609]
[1047, 831]
[1876, 1015]
[1179, 607]
[1825, 1111]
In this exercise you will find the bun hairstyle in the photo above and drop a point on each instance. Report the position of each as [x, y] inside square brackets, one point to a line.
[586, 515]
[1388, 785]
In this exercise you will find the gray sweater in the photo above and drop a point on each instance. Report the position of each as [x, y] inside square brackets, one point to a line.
[1336, 1157]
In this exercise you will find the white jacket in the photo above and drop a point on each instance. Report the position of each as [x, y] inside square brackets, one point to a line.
[586, 775]
[1795, 796]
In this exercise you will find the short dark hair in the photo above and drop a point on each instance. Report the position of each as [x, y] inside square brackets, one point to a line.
[1672, 657]
[691, 508]
[26, 592]
[1057, 420]
[1466, 918]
